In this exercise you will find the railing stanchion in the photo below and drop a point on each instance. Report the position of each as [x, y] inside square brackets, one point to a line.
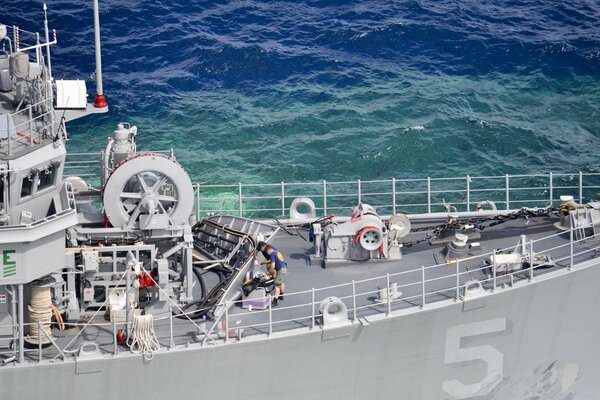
[580, 187]
[240, 198]
[282, 199]
[227, 322]
[353, 300]
[39, 341]
[494, 271]
[21, 324]
[270, 316]
[428, 194]
[312, 312]
[551, 188]
[393, 195]
[531, 261]
[197, 202]
[30, 126]
[507, 185]
[171, 342]
[114, 332]
[359, 189]
[324, 197]
[571, 248]
[422, 286]
[389, 294]
[457, 280]
[468, 193]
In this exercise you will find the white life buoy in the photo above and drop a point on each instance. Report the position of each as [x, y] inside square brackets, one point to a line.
[306, 203]
[488, 203]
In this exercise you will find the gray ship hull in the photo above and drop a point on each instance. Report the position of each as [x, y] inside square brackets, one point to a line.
[535, 340]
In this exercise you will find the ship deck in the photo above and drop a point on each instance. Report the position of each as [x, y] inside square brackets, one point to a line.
[423, 276]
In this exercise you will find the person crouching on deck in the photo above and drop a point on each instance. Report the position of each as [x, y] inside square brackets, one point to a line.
[277, 268]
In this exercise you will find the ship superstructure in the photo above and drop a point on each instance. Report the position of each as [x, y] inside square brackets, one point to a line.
[137, 283]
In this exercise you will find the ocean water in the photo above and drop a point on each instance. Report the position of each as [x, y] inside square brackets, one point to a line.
[265, 91]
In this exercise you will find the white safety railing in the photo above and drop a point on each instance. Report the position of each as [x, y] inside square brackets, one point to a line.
[32, 124]
[421, 287]
[388, 196]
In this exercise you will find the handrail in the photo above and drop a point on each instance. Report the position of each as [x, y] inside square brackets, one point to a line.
[388, 196]
[267, 322]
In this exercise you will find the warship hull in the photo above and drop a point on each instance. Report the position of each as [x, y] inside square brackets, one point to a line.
[535, 340]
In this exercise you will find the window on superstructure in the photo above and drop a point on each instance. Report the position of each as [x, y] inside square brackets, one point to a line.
[27, 186]
[46, 177]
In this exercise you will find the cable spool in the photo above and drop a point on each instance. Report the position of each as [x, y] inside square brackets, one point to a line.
[40, 315]
[370, 238]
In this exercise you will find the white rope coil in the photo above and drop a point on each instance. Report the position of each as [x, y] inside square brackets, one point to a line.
[40, 314]
[142, 339]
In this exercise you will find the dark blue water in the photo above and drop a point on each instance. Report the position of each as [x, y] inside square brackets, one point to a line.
[271, 90]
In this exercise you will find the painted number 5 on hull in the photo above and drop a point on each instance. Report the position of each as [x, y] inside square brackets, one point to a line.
[486, 353]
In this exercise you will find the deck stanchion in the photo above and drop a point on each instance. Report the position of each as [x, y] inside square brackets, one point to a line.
[531, 261]
[127, 299]
[30, 126]
[457, 280]
[393, 195]
[422, 286]
[324, 197]
[39, 326]
[571, 248]
[240, 198]
[389, 294]
[353, 300]
[270, 316]
[428, 194]
[494, 271]
[114, 332]
[282, 199]
[359, 191]
[551, 188]
[580, 187]
[227, 323]
[468, 193]
[312, 312]
[21, 325]
[171, 342]
[197, 202]
[507, 185]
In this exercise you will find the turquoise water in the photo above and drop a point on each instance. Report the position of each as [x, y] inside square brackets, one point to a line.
[302, 91]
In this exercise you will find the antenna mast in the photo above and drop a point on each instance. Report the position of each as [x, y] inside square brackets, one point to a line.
[100, 100]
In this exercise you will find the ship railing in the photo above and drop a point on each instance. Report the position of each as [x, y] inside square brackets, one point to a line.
[33, 124]
[421, 287]
[388, 196]
[88, 165]
[26, 41]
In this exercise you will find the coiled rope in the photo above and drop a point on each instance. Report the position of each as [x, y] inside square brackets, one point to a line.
[40, 314]
[142, 339]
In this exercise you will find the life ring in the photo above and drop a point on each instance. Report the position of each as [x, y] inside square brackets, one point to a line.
[306, 203]
[489, 203]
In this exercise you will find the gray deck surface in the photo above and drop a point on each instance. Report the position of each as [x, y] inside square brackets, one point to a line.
[304, 275]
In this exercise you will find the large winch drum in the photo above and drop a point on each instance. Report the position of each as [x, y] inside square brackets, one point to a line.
[148, 191]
